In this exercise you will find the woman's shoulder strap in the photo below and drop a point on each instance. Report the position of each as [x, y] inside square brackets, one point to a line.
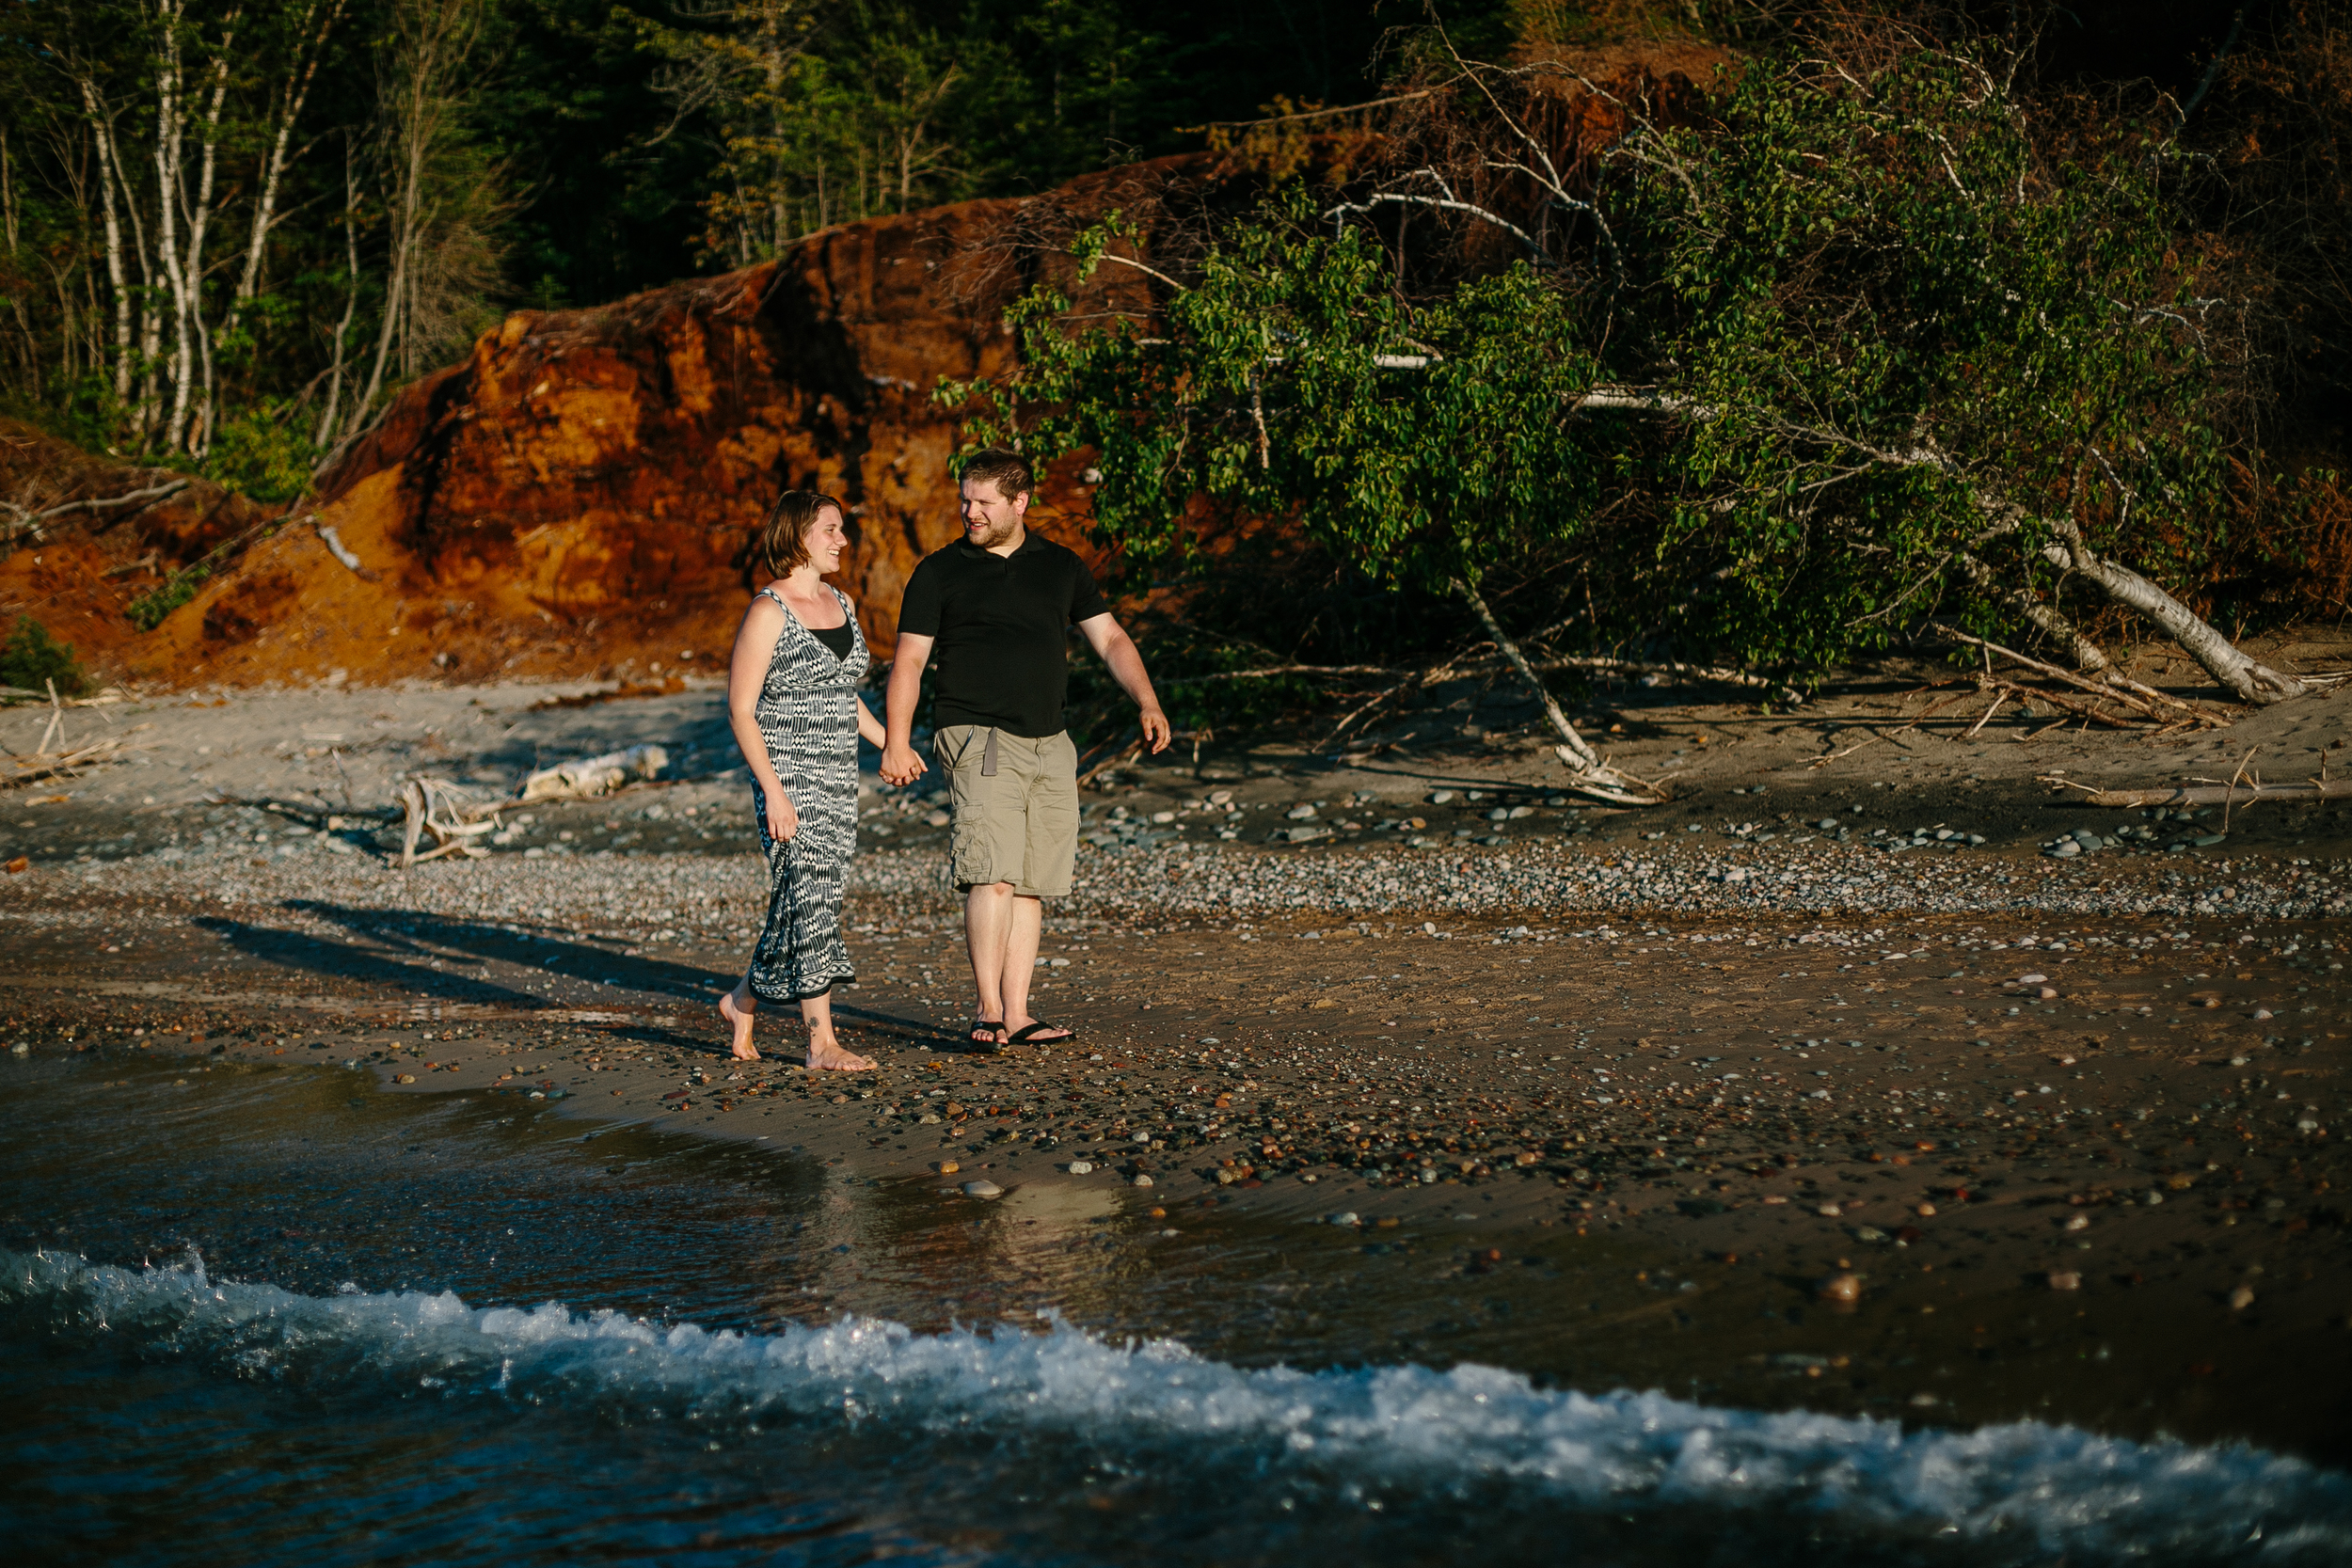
[771, 593]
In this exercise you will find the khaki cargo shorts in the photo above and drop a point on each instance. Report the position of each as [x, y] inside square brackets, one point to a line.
[1016, 809]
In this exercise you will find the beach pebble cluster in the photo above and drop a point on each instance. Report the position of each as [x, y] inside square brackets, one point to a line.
[1250, 883]
[2184, 835]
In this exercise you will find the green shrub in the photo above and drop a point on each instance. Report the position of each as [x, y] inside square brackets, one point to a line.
[31, 658]
[148, 610]
[261, 452]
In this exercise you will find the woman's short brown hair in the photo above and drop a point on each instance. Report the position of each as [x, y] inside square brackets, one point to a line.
[782, 543]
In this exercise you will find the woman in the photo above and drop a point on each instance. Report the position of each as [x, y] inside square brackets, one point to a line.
[792, 700]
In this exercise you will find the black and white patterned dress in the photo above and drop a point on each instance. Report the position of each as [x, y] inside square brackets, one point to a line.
[808, 718]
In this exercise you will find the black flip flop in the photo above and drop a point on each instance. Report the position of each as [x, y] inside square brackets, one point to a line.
[1026, 1035]
[982, 1036]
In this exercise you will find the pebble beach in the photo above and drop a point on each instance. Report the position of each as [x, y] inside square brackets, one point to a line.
[1820, 1046]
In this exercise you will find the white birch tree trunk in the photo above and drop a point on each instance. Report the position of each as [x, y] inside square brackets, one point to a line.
[434, 40]
[150, 309]
[1588, 774]
[192, 361]
[396, 274]
[102, 132]
[2250, 679]
[311, 47]
[170, 131]
[2088, 655]
[326, 424]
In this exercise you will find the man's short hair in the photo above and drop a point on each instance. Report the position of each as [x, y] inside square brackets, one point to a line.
[1008, 470]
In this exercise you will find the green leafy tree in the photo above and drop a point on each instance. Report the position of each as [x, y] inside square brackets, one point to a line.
[1915, 365]
[1424, 442]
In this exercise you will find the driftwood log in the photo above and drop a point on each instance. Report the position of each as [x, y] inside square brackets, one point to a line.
[2215, 794]
[53, 758]
[46, 765]
[577, 780]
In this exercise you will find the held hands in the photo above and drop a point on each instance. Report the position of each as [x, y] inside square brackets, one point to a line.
[783, 821]
[1156, 729]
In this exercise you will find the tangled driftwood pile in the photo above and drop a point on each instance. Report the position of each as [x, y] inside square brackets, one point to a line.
[451, 813]
[53, 758]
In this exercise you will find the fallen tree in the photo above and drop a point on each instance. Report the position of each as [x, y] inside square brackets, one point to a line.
[1851, 354]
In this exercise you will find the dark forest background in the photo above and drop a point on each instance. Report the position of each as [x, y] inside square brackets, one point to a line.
[356, 186]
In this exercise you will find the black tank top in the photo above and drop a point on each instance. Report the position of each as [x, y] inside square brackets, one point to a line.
[835, 638]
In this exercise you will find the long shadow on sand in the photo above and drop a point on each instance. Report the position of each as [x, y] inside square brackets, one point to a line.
[450, 960]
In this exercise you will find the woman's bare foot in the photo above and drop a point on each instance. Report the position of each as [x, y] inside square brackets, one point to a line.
[737, 1007]
[826, 1054]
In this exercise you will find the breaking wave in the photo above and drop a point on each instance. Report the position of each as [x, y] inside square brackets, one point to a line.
[2059, 1488]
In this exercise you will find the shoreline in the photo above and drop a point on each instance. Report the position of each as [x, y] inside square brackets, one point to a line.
[1749, 1101]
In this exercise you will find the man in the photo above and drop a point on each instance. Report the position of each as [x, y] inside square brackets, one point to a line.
[995, 606]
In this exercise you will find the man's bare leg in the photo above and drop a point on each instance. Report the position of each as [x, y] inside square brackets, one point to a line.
[737, 1007]
[1027, 928]
[824, 1050]
[989, 917]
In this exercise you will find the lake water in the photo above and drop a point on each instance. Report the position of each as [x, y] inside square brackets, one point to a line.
[271, 1314]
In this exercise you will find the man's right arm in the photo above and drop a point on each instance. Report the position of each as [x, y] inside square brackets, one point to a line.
[899, 764]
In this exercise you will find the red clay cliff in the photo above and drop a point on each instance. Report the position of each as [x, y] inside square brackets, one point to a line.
[578, 495]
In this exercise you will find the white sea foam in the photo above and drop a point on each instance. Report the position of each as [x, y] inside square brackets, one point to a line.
[2060, 1488]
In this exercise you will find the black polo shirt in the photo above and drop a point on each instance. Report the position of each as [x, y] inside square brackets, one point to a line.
[1002, 625]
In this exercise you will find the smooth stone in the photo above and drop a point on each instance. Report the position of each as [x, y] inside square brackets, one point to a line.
[982, 1189]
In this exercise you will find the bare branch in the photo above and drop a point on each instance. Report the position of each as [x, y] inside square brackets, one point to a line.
[1590, 774]
[1130, 261]
[30, 522]
[1399, 199]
